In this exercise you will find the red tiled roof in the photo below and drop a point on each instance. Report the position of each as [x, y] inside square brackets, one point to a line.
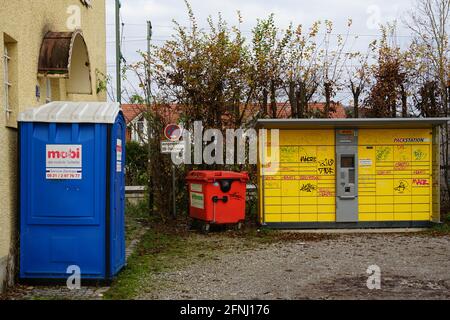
[284, 109]
[171, 112]
[132, 111]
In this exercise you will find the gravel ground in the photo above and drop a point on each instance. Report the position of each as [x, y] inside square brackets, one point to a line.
[412, 267]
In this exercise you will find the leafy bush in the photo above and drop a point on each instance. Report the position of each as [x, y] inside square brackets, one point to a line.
[136, 164]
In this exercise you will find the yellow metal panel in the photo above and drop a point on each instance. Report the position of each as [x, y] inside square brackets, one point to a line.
[272, 217]
[308, 200]
[401, 199]
[308, 217]
[272, 209]
[366, 208]
[303, 209]
[289, 209]
[384, 154]
[406, 216]
[394, 136]
[367, 217]
[327, 200]
[290, 218]
[287, 169]
[420, 216]
[401, 208]
[421, 207]
[384, 199]
[290, 188]
[325, 217]
[367, 200]
[289, 154]
[366, 167]
[402, 153]
[326, 208]
[420, 190]
[272, 192]
[290, 201]
[419, 199]
[385, 216]
[272, 200]
[385, 208]
[384, 187]
[272, 184]
[289, 137]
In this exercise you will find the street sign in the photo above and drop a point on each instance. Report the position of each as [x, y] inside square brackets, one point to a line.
[168, 147]
[173, 132]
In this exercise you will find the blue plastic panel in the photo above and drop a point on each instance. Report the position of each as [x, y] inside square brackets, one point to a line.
[117, 199]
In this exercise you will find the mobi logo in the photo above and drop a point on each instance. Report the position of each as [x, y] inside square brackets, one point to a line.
[63, 156]
[70, 153]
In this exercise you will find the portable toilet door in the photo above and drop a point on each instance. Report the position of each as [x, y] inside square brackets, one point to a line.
[72, 190]
[117, 196]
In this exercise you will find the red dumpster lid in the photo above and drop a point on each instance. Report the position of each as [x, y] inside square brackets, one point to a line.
[209, 175]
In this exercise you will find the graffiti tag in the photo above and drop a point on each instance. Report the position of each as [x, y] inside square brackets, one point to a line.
[402, 186]
[308, 187]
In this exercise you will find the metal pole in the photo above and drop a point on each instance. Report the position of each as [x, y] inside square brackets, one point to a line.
[118, 55]
[174, 192]
[149, 131]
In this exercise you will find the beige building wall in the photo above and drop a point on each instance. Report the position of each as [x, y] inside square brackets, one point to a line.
[23, 24]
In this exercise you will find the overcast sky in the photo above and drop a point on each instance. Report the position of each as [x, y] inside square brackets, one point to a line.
[366, 16]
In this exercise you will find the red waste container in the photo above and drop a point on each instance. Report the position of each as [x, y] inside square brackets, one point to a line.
[217, 197]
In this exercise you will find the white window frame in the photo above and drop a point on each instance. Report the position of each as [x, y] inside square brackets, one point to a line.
[7, 84]
[140, 126]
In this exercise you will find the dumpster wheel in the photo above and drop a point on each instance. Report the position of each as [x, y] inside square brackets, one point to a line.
[205, 227]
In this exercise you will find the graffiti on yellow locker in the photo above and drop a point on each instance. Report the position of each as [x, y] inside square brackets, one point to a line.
[308, 178]
[326, 166]
[402, 186]
[401, 165]
[325, 192]
[289, 153]
[308, 159]
[382, 153]
[421, 182]
[308, 187]
[419, 155]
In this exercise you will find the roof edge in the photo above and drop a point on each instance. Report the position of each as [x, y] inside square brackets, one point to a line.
[72, 112]
[352, 123]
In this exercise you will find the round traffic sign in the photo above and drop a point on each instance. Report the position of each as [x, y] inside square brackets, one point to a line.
[173, 132]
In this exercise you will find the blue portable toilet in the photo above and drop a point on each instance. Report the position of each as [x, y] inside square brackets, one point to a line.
[72, 190]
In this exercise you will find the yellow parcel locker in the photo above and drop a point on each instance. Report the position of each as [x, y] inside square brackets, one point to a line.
[390, 168]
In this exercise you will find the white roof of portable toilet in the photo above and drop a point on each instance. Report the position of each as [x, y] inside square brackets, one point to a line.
[70, 112]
